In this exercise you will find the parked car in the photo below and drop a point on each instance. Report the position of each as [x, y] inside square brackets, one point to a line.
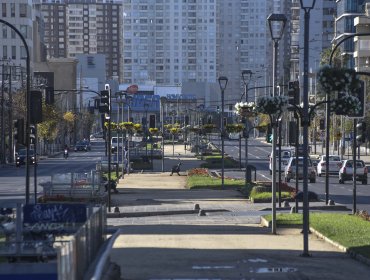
[21, 157]
[334, 165]
[83, 145]
[290, 170]
[286, 154]
[346, 171]
[234, 136]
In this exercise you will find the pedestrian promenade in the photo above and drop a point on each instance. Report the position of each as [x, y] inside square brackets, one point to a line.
[165, 236]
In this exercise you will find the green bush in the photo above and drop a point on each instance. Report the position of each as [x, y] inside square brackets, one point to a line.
[261, 189]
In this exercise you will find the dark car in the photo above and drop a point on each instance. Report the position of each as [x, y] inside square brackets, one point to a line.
[21, 157]
[82, 146]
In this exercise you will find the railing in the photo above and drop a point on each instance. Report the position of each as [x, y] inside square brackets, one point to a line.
[73, 253]
[76, 256]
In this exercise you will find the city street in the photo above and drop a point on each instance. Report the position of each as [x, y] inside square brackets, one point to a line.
[12, 178]
[258, 152]
[12, 184]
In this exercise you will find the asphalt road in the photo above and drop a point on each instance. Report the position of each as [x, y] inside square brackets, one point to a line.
[12, 179]
[258, 153]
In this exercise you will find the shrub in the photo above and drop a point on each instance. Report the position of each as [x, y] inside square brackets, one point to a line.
[198, 171]
[261, 189]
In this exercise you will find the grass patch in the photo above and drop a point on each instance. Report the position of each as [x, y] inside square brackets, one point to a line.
[215, 161]
[350, 231]
[208, 182]
[267, 196]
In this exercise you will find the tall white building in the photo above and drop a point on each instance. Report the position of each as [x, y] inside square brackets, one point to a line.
[320, 37]
[19, 14]
[169, 42]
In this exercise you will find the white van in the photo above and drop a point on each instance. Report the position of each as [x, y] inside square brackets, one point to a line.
[115, 143]
[286, 154]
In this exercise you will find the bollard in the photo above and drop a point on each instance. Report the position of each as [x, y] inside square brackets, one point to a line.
[202, 212]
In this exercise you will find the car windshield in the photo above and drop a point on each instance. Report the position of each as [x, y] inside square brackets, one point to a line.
[358, 163]
[23, 152]
[331, 158]
[300, 162]
[284, 154]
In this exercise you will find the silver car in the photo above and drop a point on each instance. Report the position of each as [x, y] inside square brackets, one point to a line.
[290, 170]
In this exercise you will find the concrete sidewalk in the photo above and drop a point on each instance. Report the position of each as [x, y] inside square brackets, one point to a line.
[165, 237]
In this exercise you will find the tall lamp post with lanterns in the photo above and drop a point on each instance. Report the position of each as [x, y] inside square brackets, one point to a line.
[222, 81]
[277, 24]
[306, 6]
[246, 75]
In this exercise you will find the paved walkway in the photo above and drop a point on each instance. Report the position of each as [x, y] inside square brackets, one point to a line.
[165, 237]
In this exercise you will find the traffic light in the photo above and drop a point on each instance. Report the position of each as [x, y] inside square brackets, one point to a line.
[293, 93]
[152, 121]
[49, 95]
[322, 124]
[36, 107]
[293, 133]
[32, 134]
[269, 134]
[104, 101]
[19, 130]
[361, 132]
[360, 94]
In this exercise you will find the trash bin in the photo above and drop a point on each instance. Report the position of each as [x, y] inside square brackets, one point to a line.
[251, 168]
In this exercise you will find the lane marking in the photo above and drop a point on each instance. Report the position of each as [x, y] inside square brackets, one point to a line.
[257, 260]
[213, 267]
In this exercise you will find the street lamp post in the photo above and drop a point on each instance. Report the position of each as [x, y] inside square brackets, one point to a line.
[120, 102]
[146, 107]
[307, 6]
[223, 83]
[163, 101]
[246, 75]
[128, 99]
[277, 24]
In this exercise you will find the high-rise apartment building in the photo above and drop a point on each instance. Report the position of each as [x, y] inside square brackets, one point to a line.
[321, 33]
[347, 10]
[85, 27]
[19, 14]
[169, 41]
[243, 44]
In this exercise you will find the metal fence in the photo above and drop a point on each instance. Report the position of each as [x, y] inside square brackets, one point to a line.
[76, 256]
[72, 253]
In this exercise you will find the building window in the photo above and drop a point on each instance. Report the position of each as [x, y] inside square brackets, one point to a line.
[12, 10]
[5, 52]
[22, 10]
[14, 52]
[3, 9]
[5, 31]
[23, 30]
[23, 52]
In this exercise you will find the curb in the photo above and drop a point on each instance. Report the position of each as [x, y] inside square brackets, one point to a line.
[344, 249]
[350, 252]
[148, 214]
[163, 213]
